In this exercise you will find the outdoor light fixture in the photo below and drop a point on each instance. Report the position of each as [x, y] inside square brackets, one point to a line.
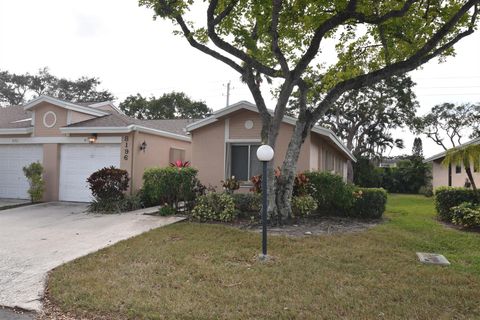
[265, 154]
[92, 138]
[143, 146]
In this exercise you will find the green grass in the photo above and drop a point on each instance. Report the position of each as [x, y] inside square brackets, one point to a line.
[201, 271]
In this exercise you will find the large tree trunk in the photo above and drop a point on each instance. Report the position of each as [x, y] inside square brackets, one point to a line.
[468, 170]
[285, 181]
[350, 173]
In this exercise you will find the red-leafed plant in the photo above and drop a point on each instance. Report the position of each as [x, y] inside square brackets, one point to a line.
[180, 164]
[109, 183]
[299, 187]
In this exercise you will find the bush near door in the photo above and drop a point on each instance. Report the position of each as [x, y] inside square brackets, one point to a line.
[170, 186]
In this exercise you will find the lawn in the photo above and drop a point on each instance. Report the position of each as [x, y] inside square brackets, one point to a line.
[202, 271]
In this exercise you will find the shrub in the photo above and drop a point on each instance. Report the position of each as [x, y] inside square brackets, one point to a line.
[332, 194]
[427, 191]
[230, 185]
[214, 207]
[303, 206]
[369, 203]
[247, 202]
[448, 197]
[108, 206]
[169, 185]
[166, 211]
[466, 215]
[108, 183]
[34, 173]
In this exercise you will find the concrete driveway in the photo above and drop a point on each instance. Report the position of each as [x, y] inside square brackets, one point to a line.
[35, 239]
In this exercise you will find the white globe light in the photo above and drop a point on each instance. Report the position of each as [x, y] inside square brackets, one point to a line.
[265, 153]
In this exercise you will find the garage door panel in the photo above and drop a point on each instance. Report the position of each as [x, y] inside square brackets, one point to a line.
[13, 158]
[78, 162]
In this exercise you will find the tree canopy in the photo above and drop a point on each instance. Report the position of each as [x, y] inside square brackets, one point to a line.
[174, 105]
[449, 121]
[364, 118]
[15, 89]
[280, 42]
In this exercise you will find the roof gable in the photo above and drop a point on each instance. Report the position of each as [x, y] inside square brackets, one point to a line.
[444, 153]
[286, 119]
[64, 104]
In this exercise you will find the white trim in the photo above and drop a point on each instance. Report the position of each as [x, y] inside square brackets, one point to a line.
[106, 103]
[244, 141]
[290, 120]
[23, 120]
[226, 137]
[64, 104]
[69, 117]
[54, 119]
[444, 153]
[127, 129]
[16, 131]
[33, 118]
[61, 140]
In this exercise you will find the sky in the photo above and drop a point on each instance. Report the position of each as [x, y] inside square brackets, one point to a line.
[121, 44]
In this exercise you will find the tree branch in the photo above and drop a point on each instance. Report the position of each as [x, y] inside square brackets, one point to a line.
[276, 7]
[422, 56]
[212, 22]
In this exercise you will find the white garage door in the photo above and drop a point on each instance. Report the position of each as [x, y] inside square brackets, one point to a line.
[13, 183]
[78, 162]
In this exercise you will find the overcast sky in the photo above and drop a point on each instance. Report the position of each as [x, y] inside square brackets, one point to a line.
[121, 44]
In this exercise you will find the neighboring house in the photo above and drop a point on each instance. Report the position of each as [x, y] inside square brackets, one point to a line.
[225, 144]
[72, 140]
[454, 175]
[389, 163]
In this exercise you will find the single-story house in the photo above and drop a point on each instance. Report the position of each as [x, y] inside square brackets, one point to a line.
[72, 140]
[454, 176]
[225, 145]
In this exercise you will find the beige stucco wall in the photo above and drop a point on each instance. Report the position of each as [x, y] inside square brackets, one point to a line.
[208, 153]
[40, 130]
[157, 154]
[210, 143]
[440, 175]
[79, 117]
[51, 165]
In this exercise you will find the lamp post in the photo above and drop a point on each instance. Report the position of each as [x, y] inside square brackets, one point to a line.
[264, 154]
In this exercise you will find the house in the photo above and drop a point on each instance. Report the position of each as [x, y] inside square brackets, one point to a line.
[72, 140]
[454, 176]
[225, 144]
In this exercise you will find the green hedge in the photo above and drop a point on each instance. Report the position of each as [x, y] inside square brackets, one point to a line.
[369, 203]
[247, 202]
[169, 185]
[448, 197]
[332, 194]
[336, 197]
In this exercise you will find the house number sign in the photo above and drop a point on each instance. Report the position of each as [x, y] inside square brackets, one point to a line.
[126, 147]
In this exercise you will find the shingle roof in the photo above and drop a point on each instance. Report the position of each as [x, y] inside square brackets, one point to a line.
[118, 120]
[9, 117]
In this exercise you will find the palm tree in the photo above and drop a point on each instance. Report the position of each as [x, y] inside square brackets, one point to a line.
[466, 155]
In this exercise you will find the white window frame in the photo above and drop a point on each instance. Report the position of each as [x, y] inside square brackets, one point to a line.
[229, 158]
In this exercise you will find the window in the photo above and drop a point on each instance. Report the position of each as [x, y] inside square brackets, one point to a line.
[244, 163]
[458, 168]
[177, 154]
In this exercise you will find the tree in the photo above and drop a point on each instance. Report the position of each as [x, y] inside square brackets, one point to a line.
[174, 105]
[417, 149]
[467, 156]
[279, 42]
[15, 89]
[449, 120]
[364, 118]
